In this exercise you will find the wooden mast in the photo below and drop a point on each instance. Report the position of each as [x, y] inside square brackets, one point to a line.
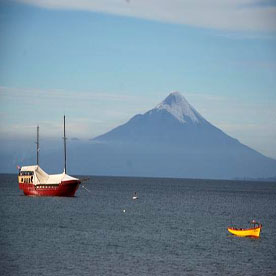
[64, 138]
[37, 145]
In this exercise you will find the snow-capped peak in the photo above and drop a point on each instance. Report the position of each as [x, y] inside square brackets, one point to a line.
[178, 106]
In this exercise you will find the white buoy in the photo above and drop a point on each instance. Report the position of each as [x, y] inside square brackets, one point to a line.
[124, 210]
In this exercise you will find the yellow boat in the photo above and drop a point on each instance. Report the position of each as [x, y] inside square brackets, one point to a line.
[253, 232]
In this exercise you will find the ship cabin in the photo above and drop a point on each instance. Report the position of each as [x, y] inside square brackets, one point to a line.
[36, 176]
[26, 177]
[32, 175]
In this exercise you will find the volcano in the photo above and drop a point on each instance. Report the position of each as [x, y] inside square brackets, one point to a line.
[172, 122]
[170, 140]
[174, 140]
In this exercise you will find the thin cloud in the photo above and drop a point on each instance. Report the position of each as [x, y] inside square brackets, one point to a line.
[94, 112]
[239, 15]
[26, 93]
[250, 122]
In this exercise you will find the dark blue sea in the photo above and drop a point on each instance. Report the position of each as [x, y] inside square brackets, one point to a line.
[176, 227]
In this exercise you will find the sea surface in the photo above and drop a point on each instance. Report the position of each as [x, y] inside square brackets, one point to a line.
[176, 227]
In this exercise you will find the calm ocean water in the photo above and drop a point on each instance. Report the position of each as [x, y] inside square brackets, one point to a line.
[176, 227]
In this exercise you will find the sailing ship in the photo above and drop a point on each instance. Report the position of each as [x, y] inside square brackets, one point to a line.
[253, 232]
[36, 182]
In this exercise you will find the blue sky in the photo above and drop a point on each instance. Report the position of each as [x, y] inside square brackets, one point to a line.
[101, 62]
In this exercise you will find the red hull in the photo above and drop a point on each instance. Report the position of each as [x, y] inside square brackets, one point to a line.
[65, 188]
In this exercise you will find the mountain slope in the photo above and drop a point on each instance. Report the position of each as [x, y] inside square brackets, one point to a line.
[172, 122]
[173, 139]
[170, 140]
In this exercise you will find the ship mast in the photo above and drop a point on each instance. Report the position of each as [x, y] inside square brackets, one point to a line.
[37, 145]
[64, 139]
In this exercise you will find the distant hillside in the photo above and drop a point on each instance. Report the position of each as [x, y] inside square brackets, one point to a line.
[170, 140]
[174, 140]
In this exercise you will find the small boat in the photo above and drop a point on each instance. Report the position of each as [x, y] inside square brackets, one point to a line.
[254, 231]
[36, 182]
[135, 196]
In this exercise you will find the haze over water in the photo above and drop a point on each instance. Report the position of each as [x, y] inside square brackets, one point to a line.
[176, 227]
